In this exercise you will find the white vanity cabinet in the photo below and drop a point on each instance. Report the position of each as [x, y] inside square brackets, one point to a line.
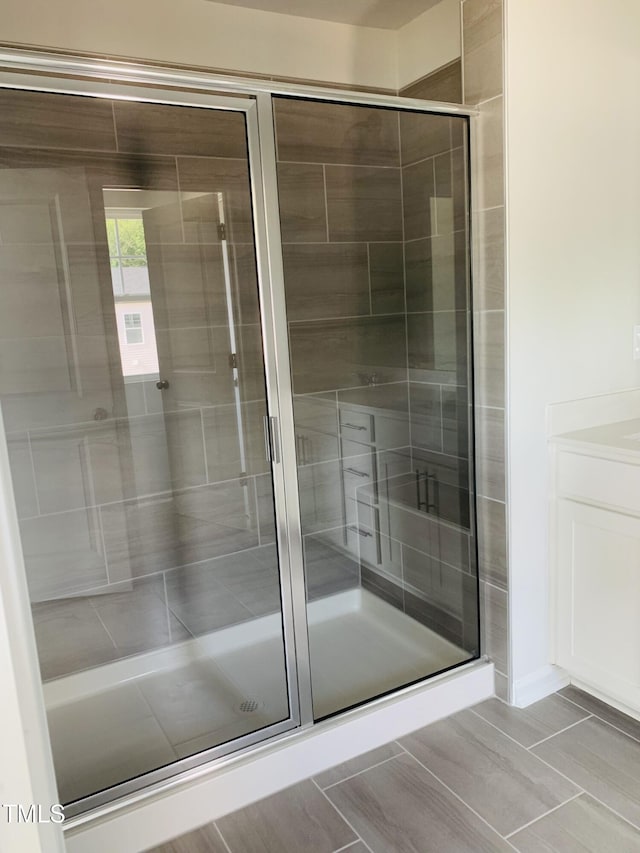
[596, 559]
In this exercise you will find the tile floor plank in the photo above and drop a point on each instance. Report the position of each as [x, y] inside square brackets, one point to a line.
[602, 760]
[399, 806]
[296, 819]
[581, 826]
[358, 764]
[500, 780]
[204, 840]
[530, 725]
[600, 709]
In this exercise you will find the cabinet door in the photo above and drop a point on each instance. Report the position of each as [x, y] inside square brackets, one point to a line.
[598, 566]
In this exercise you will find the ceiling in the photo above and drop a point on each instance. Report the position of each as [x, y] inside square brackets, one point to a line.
[385, 14]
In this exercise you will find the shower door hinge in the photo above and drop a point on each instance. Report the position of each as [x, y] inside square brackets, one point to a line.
[271, 439]
[222, 231]
[233, 359]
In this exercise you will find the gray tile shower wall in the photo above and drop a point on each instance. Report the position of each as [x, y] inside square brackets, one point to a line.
[375, 232]
[482, 28]
[443, 84]
[342, 229]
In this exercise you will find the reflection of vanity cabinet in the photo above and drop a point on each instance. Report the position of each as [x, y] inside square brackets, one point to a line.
[596, 559]
[398, 513]
[368, 439]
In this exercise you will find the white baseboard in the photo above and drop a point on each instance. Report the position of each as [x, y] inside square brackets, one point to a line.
[152, 818]
[535, 686]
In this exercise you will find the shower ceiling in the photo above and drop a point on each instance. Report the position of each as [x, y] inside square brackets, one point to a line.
[365, 13]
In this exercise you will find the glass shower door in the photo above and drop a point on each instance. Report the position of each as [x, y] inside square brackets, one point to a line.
[133, 394]
[375, 233]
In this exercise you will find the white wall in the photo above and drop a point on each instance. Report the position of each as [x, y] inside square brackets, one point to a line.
[26, 769]
[573, 252]
[428, 42]
[198, 32]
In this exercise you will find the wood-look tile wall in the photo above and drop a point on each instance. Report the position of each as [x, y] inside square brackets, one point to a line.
[375, 226]
[340, 195]
[443, 84]
[482, 26]
[439, 583]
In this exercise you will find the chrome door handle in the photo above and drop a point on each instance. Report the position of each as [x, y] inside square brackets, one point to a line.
[271, 439]
[359, 530]
[162, 384]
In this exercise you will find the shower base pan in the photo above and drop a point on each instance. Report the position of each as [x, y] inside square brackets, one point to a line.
[117, 721]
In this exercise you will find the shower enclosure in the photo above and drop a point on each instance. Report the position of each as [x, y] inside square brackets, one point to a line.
[236, 393]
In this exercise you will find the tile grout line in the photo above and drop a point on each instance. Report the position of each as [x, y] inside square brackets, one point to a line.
[166, 606]
[514, 741]
[406, 322]
[150, 496]
[115, 126]
[33, 474]
[180, 200]
[323, 243]
[348, 846]
[368, 245]
[100, 619]
[613, 811]
[335, 807]
[328, 163]
[255, 496]
[546, 814]
[602, 719]
[559, 732]
[204, 446]
[359, 773]
[224, 840]
[326, 201]
[453, 793]
[433, 157]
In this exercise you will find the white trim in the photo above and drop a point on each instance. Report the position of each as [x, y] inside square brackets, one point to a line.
[535, 686]
[272, 767]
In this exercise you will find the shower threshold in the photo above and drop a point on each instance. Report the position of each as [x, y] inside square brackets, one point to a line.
[125, 718]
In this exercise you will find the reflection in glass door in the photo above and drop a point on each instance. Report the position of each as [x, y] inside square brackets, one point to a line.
[374, 217]
[132, 386]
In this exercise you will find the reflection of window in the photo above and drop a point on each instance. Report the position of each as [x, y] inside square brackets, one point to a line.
[133, 328]
[127, 254]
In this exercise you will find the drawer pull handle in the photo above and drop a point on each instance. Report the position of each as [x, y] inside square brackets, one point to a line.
[359, 530]
[353, 426]
[356, 473]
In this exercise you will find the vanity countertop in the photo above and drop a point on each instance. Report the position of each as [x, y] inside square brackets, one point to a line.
[620, 439]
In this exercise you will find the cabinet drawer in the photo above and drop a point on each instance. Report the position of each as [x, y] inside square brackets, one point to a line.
[358, 512]
[601, 481]
[363, 539]
[359, 474]
[356, 425]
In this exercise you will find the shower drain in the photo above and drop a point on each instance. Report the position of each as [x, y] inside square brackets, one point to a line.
[249, 706]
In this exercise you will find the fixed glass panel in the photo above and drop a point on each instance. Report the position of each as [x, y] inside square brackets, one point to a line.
[375, 231]
[132, 387]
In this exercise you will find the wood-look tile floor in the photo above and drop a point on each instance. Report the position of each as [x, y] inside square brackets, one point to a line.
[562, 775]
